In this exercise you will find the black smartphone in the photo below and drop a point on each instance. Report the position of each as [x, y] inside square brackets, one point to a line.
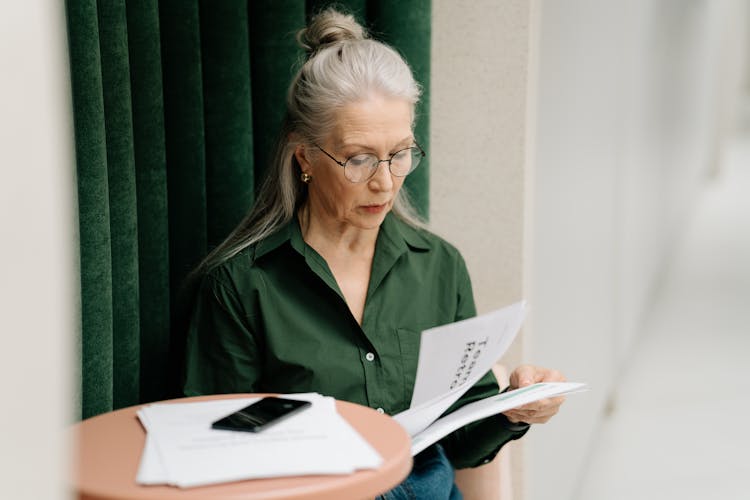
[261, 414]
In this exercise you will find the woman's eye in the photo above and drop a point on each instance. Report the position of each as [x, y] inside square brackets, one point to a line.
[362, 160]
[400, 155]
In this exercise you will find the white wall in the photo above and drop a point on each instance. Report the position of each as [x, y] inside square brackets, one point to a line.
[478, 154]
[478, 134]
[36, 254]
[628, 125]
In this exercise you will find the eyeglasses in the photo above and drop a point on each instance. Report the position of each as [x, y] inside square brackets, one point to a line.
[361, 167]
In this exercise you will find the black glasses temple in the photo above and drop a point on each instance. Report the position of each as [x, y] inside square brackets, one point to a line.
[343, 164]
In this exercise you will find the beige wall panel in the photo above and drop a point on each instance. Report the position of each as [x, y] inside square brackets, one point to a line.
[37, 255]
[480, 154]
[478, 118]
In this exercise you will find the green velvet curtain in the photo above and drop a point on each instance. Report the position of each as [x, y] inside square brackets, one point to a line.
[176, 106]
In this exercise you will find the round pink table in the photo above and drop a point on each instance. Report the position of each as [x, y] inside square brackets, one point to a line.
[109, 450]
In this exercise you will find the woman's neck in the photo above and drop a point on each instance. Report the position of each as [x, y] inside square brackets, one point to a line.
[348, 251]
[329, 237]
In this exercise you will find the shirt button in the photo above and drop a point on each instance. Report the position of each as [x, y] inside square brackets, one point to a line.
[380, 410]
[369, 356]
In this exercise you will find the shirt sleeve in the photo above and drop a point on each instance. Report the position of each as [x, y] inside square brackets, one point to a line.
[221, 349]
[478, 442]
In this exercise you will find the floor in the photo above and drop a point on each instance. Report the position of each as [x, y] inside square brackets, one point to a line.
[680, 428]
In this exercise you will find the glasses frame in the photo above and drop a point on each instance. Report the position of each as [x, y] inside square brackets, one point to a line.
[388, 160]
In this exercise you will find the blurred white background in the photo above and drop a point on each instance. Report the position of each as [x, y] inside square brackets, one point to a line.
[641, 231]
[585, 156]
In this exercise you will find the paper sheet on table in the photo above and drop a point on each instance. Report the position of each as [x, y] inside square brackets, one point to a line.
[488, 407]
[151, 470]
[453, 357]
[186, 452]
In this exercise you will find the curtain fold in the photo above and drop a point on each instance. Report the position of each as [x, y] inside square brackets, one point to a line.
[144, 52]
[177, 104]
[230, 180]
[184, 134]
[115, 66]
[93, 205]
[275, 54]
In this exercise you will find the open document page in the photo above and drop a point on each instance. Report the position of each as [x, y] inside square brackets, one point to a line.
[453, 357]
[183, 450]
[488, 407]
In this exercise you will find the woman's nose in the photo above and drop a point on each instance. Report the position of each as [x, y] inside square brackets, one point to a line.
[382, 180]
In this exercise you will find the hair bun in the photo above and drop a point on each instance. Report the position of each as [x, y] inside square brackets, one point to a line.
[329, 27]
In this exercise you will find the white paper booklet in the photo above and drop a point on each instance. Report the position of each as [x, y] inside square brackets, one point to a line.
[452, 358]
[488, 407]
[183, 450]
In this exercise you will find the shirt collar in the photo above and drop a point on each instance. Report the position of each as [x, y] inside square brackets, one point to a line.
[393, 232]
[281, 236]
[395, 239]
[402, 235]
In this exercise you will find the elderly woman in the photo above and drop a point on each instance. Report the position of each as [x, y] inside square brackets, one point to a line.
[326, 285]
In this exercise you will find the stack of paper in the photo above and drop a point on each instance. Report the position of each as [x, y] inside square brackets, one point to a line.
[183, 450]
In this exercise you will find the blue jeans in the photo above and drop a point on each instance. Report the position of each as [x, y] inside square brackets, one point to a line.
[431, 478]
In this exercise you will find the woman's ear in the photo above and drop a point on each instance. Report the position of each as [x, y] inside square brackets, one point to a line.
[300, 153]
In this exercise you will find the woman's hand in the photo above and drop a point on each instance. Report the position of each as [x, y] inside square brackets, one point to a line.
[540, 411]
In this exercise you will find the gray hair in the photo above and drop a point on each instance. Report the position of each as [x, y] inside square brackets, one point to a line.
[343, 66]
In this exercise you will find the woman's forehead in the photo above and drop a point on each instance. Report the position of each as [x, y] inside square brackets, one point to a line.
[378, 119]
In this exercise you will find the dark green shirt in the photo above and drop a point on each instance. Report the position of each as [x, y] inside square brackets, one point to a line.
[273, 319]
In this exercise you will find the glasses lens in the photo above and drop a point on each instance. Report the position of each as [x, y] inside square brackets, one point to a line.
[405, 161]
[361, 167]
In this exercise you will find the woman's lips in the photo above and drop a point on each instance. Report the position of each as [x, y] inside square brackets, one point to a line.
[374, 209]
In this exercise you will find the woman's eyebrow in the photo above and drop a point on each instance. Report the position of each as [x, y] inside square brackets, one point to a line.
[407, 140]
[353, 145]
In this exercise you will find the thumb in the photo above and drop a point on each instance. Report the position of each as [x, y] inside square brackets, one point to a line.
[522, 376]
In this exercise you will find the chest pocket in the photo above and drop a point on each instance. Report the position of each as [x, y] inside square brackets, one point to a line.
[408, 341]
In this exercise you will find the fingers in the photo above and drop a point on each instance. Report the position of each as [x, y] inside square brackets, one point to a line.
[538, 412]
[527, 374]
[522, 376]
[553, 376]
